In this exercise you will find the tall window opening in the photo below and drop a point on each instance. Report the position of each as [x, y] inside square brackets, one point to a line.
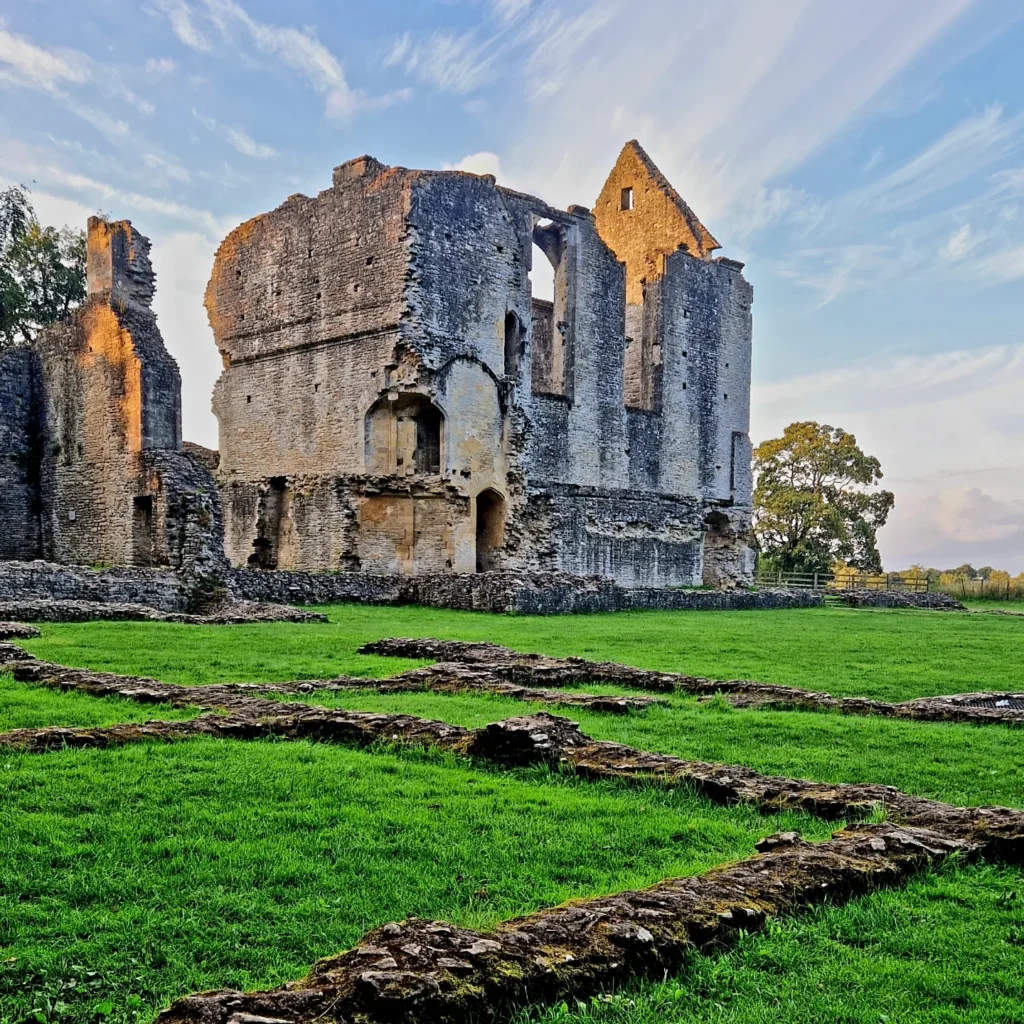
[513, 344]
[490, 529]
[626, 199]
[642, 370]
[267, 545]
[427, 456]
[142, 530]
[550, 326]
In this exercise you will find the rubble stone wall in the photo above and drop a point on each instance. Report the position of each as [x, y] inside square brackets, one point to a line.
[20, 443]
[45, 581]
[103, 450]
[527, 593]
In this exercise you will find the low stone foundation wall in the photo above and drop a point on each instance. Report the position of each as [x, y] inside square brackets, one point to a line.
[521, 593]
[45, 581]
[936, 602]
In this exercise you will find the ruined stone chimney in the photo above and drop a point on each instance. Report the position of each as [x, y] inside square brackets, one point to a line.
[118, 263]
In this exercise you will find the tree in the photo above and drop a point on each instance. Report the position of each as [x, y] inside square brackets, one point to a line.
[42, 270]
[815, 502]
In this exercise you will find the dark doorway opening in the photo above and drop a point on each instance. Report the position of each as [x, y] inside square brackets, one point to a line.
[490, 529]
[266, 546]
[428, 439]
[142, 530]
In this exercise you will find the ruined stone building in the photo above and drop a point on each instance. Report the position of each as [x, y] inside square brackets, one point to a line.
[396, 399]
[92, 468]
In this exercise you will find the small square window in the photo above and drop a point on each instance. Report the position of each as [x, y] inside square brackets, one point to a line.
[626, 199]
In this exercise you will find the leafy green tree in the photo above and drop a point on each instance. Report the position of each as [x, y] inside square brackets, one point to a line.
[42, 270]
[816, 501]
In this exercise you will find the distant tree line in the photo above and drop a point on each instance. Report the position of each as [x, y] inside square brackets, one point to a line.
[967, 581]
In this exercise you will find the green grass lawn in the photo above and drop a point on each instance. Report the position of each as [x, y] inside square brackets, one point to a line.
[962, 764]
[888, 654]
[134, 875]
[130, 876]
[33, 707]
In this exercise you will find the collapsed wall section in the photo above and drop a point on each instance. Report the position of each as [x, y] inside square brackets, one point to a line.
[115, 486]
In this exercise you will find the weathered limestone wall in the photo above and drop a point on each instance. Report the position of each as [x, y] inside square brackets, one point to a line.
[115, 486]
[706, 353]
[112, 392]
[20, 449]
[305, 304]
[394, 399]
[638, 539]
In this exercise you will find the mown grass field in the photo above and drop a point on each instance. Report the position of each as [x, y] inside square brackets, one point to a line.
[130, 876]
[891, 655]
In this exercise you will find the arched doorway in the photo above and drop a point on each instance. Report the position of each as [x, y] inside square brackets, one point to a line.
[490, 529]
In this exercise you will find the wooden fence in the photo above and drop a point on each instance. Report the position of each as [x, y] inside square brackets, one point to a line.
[845, 581]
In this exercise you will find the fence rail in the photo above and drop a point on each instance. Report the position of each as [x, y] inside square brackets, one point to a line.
[846, 581]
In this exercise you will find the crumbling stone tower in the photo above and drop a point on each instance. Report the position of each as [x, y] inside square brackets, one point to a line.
[99, 430]
[395, 398]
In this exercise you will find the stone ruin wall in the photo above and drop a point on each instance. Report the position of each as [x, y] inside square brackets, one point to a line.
[98, 436]
[20, 442]
[343, 317]
[395, 400]
[316, 451]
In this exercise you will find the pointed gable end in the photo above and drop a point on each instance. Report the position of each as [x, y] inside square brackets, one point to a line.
[642, 219]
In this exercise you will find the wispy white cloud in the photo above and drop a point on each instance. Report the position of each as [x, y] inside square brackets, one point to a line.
[509, 10]
[787, 78]
[959, 244]
[171, 168]
[63, 74]
[112, 127]
[235, 137]
[179, 14]
[160, 66]
[969, 148]
[457, 63]
[19, 162]
[941, 212]
[297, 48]
[1002, 265]
[877, 156]
[115, 87]
[23, 63]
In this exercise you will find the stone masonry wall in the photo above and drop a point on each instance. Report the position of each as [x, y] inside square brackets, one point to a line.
[20, 450]
[115, 487]
[392, 315]
[45, 581]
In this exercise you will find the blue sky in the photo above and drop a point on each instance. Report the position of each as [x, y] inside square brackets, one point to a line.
[865, 160]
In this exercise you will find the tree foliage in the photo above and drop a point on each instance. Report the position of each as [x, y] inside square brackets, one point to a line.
[42, 270]
[816, 501]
